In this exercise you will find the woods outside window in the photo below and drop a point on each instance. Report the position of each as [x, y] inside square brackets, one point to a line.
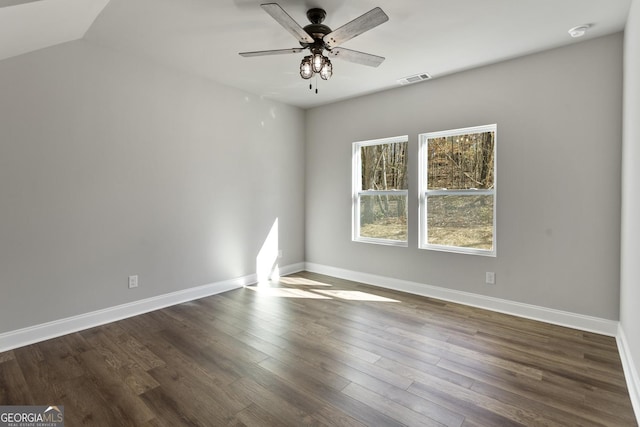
[380, 191]
[457, 190]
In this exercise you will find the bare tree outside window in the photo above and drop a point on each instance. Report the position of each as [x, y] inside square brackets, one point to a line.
[461, 162]
[458, 190]
[380, 190]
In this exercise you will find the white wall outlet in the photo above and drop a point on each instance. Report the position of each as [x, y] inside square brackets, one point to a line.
[490, 278]
[133, 281]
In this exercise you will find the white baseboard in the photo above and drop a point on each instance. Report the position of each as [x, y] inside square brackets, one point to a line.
[292, 268]
[548, 315]
[56, 328]
[630, 371]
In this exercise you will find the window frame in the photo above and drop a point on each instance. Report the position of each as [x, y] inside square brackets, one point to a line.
[357, 192]
[424, 192]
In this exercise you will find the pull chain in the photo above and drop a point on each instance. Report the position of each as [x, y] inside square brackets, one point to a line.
[311, 85]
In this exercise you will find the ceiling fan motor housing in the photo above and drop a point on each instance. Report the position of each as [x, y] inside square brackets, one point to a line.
[316, 29]
[316, 15]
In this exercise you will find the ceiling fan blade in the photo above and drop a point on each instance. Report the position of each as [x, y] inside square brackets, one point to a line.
[363, 23]
[271, 52]
[357, 57]
[287, 22]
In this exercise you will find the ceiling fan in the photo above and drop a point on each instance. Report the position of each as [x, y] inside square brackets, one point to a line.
[319, 38]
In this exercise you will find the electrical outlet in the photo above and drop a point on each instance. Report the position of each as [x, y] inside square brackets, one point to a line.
[133, 281]
[490, 278]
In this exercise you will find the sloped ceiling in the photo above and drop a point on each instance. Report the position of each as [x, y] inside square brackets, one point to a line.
[28, 25]
[203, 37]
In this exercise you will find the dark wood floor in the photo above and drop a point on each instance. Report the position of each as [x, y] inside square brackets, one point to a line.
[315, 350]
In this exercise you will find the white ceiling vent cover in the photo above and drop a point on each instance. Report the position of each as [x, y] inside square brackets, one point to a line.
[414, 79]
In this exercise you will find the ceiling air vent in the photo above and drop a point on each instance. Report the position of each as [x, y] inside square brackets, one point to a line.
[414, 79]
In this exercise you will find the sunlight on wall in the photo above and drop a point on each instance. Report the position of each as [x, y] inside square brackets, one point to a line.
[266, 261]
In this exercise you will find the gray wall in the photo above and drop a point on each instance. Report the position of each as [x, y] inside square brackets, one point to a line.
[559, 117]
[630, 267]
[111, 166]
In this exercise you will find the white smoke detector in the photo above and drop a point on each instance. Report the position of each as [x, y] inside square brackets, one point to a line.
[579, 31]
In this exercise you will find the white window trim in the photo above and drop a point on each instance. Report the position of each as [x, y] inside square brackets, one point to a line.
[423, 190]
[356, 193]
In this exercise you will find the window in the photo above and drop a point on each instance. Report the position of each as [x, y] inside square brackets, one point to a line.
[457, 190]
[380, 191]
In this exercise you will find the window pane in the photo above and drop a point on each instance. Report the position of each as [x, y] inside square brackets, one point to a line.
[384, 166]
[462, 221]
[461, 162]
[383, 217]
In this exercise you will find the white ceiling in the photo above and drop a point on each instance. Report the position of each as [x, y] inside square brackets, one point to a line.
[203, 37]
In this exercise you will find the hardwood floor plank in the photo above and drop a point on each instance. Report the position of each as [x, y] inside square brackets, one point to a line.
[371, 416]
[86, 405]
[417, 374]
[61, 358]
[474, 406]
[305, 376]
[551, 394]
[221, 341]
[539, 358]
[330, 416]
[274, 403]
[138, 353]
[43, 380]
[121, 399]
[187, 389]
[13, 387]
[321, 367]
[384, 344]
[255, 416]
[76, 342]
[579, 416]
[605, 406]
[171, 412]
[339, 362]
[481, 352]
[388, 406]
[6, 356]
[571, 352]
[120, 361]
[171, 349]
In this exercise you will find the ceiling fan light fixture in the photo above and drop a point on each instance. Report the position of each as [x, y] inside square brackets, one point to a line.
[306, 71]
[317, 62]
[327, 70]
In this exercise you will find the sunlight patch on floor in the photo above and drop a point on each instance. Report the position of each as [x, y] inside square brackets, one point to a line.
[301, 281]
[354, 295]
[285, 292]
[268, 290]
